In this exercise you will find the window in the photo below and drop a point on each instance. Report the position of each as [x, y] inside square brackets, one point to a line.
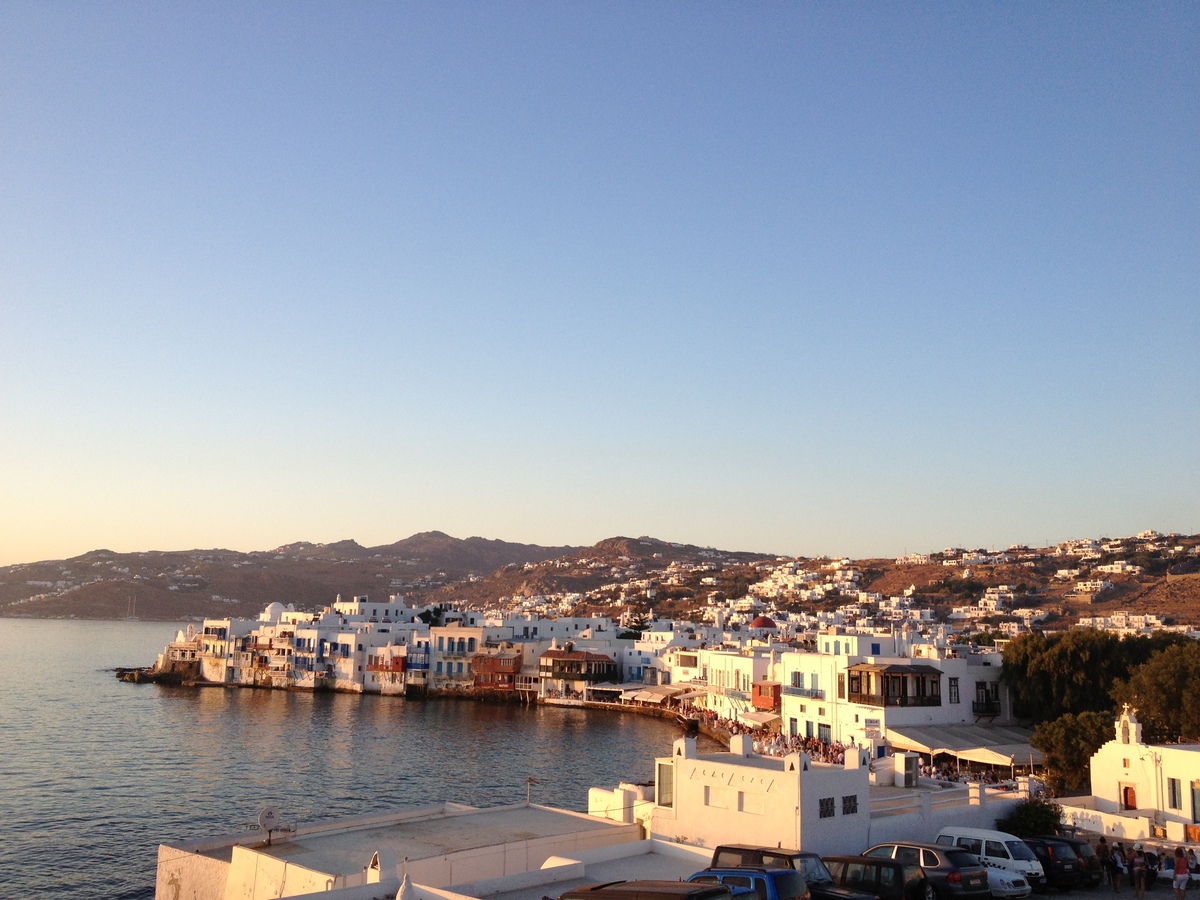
[814, 682]
[1174, 794]
[824, 733]
[826, 807]
[953, 690]
[874, 649]
[666, 784]
[849, 804]
[798, 680]
[841, 686]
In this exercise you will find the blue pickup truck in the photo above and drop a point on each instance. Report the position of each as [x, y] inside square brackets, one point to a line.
[757, 882]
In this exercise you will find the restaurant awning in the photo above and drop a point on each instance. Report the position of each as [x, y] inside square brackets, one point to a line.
[996, 745]
[692, 695]
[758, 718]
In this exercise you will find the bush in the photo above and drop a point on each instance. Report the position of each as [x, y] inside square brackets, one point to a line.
[1031, 817]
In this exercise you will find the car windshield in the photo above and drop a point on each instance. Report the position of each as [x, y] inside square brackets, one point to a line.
[814, 870]
[790, 885]
[1019, 850]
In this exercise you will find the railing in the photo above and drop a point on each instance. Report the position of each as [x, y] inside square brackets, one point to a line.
[985, 707]
[811, 693]
[394, 666]
[893, 700]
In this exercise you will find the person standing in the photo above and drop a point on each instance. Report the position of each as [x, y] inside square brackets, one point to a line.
[1104, 854]
[1118, 866]
[1138, 865]
[1180, 881]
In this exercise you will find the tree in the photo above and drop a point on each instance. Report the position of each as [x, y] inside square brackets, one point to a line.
[1051, 676]
[1069, 742]
[1030, 817]
[1164, 691]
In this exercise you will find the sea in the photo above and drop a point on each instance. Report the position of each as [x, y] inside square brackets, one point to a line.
[96, 772]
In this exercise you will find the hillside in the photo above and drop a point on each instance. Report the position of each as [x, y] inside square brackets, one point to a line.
[176, 585]
[616, 576]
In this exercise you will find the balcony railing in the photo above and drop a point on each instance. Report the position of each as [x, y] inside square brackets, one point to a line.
[985, 707]
[394, 666]
[893, 700]
[810, 693]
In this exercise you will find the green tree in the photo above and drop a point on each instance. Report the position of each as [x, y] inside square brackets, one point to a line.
[1164, 691]
[1069, 742]
[1030, 817]
[1051, 676]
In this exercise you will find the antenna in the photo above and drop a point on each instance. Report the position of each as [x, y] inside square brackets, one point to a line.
[268, 821]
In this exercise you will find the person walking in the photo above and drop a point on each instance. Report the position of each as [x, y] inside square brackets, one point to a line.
[1180, 881]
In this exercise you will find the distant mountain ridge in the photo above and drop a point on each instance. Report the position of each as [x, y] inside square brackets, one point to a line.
[641, 575]
[175, 585]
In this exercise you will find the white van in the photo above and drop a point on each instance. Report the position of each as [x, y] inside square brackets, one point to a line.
[997, 848]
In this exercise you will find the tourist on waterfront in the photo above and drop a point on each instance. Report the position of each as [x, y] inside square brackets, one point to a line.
[1180, 881]
[1138, 865]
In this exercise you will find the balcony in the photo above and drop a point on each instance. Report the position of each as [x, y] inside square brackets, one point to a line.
[396, 665]
[894, 700]
[810, 693]
[986, 707]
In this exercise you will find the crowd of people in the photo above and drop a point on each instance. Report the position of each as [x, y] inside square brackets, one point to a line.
[768, 742]
[1134, 863]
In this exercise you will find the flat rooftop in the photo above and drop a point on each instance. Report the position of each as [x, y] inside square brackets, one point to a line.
[346, 848]
[655, 863]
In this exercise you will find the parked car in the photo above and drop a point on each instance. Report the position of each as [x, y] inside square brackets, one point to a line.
[648, 890]
[1091, 872]
[997, 848]
[884, 879]
[1007, 884]
[767, 882]
[948, 873]
[1058, 860]
[818, 878]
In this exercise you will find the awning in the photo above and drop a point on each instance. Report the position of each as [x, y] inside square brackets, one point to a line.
[758, 718]
[997, 745]
[611, 688]
[692, 695]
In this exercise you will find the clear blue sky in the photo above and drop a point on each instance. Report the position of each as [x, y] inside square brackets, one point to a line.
[800, 278]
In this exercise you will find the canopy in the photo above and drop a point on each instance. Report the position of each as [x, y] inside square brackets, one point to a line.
[692, 695]
[995, 745]
[758, 718]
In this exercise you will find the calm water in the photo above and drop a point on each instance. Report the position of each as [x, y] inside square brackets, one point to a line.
[94, 772]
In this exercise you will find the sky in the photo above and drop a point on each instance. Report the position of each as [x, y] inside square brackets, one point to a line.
[816, 278]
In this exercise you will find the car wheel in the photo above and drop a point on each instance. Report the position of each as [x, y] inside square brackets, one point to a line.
[929, 892]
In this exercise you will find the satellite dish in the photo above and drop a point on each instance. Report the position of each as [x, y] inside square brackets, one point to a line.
[268, 819]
